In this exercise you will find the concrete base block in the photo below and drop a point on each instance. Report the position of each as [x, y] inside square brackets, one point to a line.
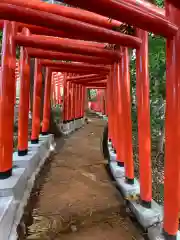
[60, 126]
[65, 127]
[43, 147]
[7, 212]
[155, 233]
[111, 149]
[80, 123]
[15, 191]
[66, 133]
[112, 156]
[147, 217]
[77, 124]
[48, 137]
[30, 161]
[68, 126]
[118, 172]
[109, 144]
[83, 121]
[128, 189]
[34, 147]
[49, 140]
[21, 183]
[14, 185]
[71, 126]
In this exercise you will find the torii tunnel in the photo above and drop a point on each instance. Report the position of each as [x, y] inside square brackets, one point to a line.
[80, 49]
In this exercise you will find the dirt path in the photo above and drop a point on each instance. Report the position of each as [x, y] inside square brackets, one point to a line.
[77, 200]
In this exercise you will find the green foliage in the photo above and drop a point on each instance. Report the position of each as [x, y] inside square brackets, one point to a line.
[157, 71]
[92, 95]
[160, 3]
[157, 68]
[57, 113]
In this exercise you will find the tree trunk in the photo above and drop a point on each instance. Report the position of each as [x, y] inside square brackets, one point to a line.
[160, 147]
[32, 61]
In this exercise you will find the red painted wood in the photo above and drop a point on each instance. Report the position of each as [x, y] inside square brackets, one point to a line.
[44, 19]
[38, 53]
[65, 45]
[129, 12]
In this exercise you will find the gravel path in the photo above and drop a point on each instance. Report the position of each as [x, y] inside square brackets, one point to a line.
[74, 197]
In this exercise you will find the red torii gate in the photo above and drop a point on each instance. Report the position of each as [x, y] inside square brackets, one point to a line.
[117, 84]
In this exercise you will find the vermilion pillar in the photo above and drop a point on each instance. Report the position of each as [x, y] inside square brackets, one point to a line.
[72, 99]
[36, 102]
[68, 101]
[100, 101]
[47, 103]
[58, 90]
[127, 122]
[115, 104]
[54, 88]
[52, 94]
[81, 101]
[120, 123]
[105, 101]
[75, 101]
[59, 80]
[113, 109]
[172, 130]
[65, 105]
[109, 106]
[143, 116]
[78, 100]
[7, 90]
[24, 99]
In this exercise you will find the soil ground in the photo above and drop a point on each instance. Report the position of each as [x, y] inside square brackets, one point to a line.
[76, 199]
